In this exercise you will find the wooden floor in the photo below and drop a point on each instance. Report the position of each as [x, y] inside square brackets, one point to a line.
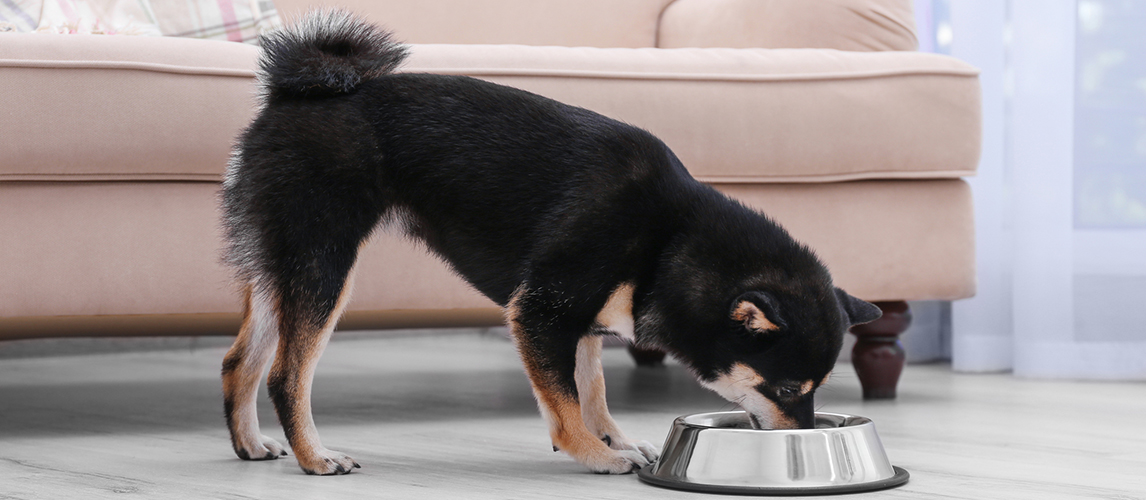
[451, 416]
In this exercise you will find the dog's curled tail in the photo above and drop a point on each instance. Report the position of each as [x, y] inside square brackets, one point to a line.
[328, 52]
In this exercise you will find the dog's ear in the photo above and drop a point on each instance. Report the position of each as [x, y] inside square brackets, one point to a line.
[758, 311]
[858, 311]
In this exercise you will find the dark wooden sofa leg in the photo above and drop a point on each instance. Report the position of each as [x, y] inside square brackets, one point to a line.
[647, 357]
[878, 355]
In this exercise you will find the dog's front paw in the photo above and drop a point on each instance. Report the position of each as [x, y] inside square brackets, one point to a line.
[649, 450]
[645, 448]
[266, 448]
[617, 462]
[324, 462]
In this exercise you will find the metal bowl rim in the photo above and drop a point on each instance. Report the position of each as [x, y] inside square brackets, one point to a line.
[683, 420]
[901, 476]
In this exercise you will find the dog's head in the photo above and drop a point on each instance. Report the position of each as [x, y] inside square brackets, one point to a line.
[756, 317]
[777, 350]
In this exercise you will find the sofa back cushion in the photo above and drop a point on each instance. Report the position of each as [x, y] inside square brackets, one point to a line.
[587, 23]
[862, 25]
[109, 108]
[857, 25]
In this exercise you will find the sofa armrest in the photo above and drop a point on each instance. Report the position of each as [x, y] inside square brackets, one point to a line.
[857, 25]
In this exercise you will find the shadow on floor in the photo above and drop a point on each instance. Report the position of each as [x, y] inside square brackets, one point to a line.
[87, 408]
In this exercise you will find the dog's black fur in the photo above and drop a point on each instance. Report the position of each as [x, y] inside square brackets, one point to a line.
[543, 207]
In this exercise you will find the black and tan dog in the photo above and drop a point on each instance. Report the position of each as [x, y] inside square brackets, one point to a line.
[577, 224]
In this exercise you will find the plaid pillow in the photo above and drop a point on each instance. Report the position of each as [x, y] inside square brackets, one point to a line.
[105, 17]
[233, 20]
[19, 15]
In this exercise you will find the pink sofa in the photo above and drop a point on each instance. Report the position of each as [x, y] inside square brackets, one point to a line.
[819, 113]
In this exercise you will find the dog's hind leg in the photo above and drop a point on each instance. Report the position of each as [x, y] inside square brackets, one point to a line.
[590, 379]
[547, 334]
[309, 316]
[308, 245]
[242, 371]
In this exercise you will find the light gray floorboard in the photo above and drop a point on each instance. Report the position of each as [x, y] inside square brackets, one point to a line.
[451, 416]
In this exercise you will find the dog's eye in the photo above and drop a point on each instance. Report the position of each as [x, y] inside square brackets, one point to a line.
[787, 392]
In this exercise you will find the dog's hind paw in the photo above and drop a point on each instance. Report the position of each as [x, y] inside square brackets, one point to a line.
[326, 463]
[265, 449]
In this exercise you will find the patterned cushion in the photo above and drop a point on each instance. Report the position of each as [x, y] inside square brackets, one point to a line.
[19, 15]
[231, 20]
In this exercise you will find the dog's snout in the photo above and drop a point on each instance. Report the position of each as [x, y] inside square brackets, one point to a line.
[802, 414]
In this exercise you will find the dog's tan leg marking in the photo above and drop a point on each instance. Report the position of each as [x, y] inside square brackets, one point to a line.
[617, 315]
[563, 413]
[591, 389]
[590, 379]
[242, 371]
[294, 366]
[568, 433]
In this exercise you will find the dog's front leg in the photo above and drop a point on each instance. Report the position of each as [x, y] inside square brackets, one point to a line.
[548, 347]
[594, 410]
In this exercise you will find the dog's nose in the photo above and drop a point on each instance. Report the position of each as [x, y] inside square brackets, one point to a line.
[806, 420]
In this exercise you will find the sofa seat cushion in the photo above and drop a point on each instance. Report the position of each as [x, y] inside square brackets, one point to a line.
[118, 108]
[134, 252]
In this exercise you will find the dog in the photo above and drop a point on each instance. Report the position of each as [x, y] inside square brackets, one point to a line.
[578, 225]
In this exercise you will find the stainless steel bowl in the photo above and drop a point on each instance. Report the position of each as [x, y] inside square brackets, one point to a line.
[721, 453]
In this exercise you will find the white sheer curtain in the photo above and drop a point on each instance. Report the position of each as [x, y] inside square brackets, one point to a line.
[1061, 195]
